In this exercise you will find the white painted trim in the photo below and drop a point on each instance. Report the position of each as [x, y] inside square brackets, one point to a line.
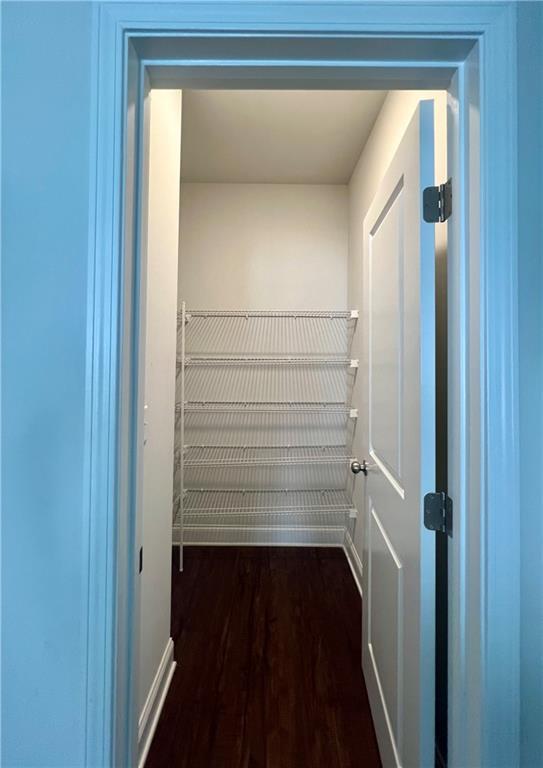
[152, 708]
[355, 563]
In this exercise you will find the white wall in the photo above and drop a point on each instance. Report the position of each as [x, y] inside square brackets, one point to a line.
[387, 132]
[160, 355]
[263, 246]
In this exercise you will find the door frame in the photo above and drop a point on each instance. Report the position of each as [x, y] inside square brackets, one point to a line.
[469, 49]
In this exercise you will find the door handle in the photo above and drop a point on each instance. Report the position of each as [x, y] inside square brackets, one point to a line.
[361, 466]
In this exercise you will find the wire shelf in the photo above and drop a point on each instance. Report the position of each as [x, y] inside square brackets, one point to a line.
[231, 456]
[265, 517]
[300, 475]
[276, 501]
[288, 520]
[275, 360]
[231, 424]
[272, 535]
[273, 333]
[263, 407]
[274, 313]
[265, 383]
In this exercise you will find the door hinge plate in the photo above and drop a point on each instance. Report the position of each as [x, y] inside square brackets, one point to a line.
[437, 203]
[438, 512]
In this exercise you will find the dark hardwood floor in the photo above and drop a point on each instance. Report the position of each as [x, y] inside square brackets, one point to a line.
[267, 642]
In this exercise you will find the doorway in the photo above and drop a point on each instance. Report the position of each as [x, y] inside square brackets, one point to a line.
[456, 87]
[283, 371]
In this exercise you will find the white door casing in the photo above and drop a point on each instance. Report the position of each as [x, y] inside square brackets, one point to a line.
[399, 552]
[161, 169]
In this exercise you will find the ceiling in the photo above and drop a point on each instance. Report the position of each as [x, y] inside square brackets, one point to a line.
[294, 137]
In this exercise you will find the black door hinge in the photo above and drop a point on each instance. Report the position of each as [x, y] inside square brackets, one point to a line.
[437, 203]
[438, 512]
[141, 560]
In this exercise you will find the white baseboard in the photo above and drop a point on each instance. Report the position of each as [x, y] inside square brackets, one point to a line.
[154, 703]
[354, 561]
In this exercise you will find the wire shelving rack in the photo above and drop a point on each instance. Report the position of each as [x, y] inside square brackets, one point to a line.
[264, 427]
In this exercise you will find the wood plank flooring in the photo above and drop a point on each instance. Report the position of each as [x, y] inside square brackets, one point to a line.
[267, 642]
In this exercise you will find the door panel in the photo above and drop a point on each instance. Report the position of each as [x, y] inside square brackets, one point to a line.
[385, 621]
[385, 327]
[399, 580]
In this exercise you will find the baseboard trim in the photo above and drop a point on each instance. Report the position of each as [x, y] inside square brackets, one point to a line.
[155, 700]
[354, 561]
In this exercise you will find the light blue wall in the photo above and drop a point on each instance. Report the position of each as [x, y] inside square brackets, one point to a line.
[45, 192]
[530, 128]
[46, 150]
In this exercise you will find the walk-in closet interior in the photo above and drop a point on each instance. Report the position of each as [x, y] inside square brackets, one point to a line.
[255, 401]
[266, 367]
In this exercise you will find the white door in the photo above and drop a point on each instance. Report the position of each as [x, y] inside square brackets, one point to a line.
[399, 585]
